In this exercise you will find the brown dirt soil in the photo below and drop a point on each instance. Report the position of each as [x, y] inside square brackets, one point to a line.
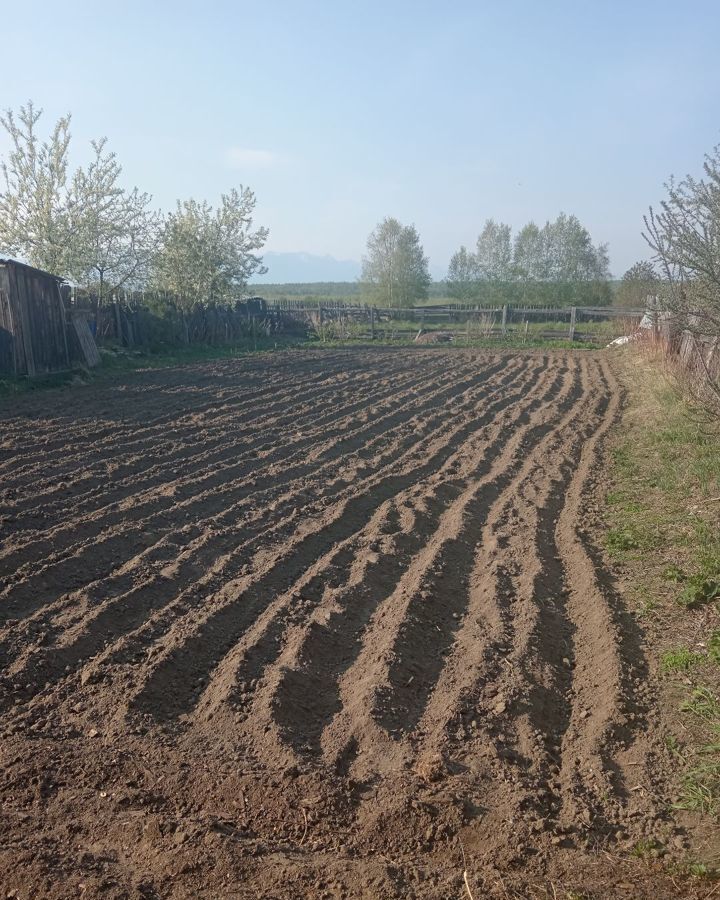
[324, 624]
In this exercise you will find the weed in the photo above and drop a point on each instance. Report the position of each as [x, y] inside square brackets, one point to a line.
[700, 791]
[703, 704]
[622, 539]
[702, 870]
[694, 869]
[648, 602]
[679, 660]
[647, 847]
[673, 746]
[700, 590]
[713, 646]
[623, 459]
[615, 498]
[674, 573]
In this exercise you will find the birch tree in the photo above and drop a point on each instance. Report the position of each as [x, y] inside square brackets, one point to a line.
[529, 257]
[33, 202]
[114, 231]
[83, 226]
[462, 277]
[637, 284]
[494, 252]
[395, 268]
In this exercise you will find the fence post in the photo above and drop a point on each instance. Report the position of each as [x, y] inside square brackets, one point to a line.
[573, 316]
[118, 322]
[504, 318]
[320, 324]
[372, 323]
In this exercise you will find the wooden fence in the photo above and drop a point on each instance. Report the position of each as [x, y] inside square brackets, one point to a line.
[699, 358]
[160, 322]
[340, 321]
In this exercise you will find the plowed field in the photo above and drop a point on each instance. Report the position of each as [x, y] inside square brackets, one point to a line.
[318, 625]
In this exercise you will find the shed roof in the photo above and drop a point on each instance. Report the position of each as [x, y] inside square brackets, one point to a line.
[7, 261]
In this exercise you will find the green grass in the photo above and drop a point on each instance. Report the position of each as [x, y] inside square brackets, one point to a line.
[701, 588]
[700, 790]
[713, 646]
[664, 471]
[622, 538]
[703, 704]
[674, 747]
[695, 869]
[647, 847]
[663, 528]
[509, 342]
[164, 357]
[10, 386]
[679, 660]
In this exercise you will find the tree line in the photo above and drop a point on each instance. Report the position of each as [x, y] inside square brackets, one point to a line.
[557, 264]
[86, 227]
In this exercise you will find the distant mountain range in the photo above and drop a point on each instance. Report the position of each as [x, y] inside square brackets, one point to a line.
[291, 268]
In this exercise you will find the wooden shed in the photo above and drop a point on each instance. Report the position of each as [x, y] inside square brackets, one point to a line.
[33, 332]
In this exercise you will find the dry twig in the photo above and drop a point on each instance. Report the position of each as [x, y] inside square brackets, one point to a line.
[465, 874]
[302, 839]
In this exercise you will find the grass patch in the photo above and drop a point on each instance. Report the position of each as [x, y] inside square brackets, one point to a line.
[700, 790]
[663, 532]
[666, 472]
[700, 589]
[645, 848]
[679, 660]
[713, 646]
[695, 870]
[703, 704]
[10, 386]
[123, 360]
[509, 342]
[622, 538]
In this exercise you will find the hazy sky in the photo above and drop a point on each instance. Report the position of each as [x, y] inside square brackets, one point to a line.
[337, 114]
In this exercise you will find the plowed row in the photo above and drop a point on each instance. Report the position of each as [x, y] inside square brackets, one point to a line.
[315, 625]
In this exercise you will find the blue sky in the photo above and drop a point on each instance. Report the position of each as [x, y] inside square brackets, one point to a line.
[337, 114]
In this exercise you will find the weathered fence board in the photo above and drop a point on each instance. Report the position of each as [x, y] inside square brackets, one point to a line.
[85, 339]
[33, 337]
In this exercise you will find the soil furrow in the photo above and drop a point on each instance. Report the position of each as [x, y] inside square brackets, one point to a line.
[114, 476]
[104, 554]
[120, 477]
[387, 664]
[87, 439]
[221, 630]
[127, 610]
[306, 697]
[253, 658]
[258, 455]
